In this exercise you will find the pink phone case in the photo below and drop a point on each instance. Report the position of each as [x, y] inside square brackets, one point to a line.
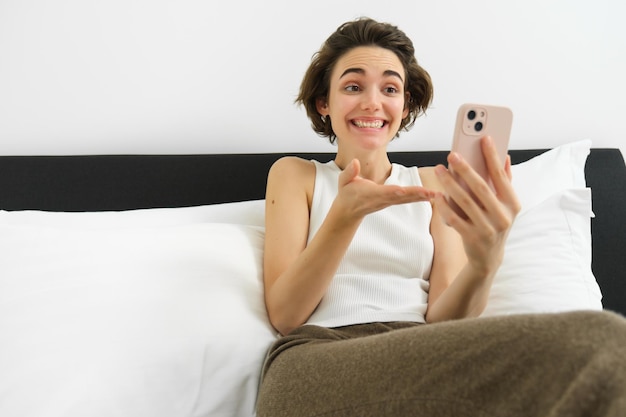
[475, 121]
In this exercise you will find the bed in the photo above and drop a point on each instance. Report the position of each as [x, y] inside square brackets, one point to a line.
[130, 285]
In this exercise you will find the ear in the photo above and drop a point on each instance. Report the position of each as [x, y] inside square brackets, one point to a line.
[322, 106]
[407, 99]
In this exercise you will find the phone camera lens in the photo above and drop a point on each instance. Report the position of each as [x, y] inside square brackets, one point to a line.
[471, 115]
[478, 126]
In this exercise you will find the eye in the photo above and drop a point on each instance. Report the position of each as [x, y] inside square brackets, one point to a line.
[391, 90]
[352, 88]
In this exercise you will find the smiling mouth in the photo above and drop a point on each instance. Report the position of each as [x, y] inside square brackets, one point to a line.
[374, 124]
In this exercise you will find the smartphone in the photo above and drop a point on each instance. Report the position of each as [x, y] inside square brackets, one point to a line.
[475, 121]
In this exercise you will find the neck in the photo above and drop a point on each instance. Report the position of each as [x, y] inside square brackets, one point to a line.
[374, 166]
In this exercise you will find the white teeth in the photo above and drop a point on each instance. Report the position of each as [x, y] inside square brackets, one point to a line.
[372, 124]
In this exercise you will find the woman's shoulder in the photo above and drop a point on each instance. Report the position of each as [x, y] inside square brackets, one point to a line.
[290, 175]
[292, 166]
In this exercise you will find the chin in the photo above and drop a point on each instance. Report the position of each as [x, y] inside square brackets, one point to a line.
[373, 143]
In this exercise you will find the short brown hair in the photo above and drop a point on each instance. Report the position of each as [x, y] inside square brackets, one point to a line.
[363, 32]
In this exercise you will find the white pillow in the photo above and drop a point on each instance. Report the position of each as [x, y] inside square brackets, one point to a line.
[547, 260]
[245, 212]
[557, 169]
[166, 321]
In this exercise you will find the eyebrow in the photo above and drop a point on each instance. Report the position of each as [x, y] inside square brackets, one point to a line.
[387, 73]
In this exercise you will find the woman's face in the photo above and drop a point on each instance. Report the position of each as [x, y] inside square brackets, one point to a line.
[366, 99]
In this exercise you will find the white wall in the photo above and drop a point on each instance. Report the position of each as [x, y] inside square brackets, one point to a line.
[194, 76]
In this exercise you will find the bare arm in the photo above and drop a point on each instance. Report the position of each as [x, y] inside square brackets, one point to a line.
[296, 276]
[468, 252]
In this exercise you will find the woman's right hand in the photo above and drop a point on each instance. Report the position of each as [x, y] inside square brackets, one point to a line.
[358, 196]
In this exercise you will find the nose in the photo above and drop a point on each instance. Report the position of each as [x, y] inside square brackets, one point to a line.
[371, 100]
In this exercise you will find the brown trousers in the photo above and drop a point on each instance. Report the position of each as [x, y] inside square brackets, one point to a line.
[568, 364]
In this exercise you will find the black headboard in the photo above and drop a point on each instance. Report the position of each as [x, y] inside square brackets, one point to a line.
[121, 182]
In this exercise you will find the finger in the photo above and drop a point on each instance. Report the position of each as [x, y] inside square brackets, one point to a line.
[479, 203]
[411, 194]
[466, 188]
[507, 167]
[456, 198]
[389, 195]
[449, 216]
[495, 167]
[350, 172]
[490, 153]
[500, 174]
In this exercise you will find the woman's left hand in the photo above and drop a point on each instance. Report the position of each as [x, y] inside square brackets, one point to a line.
[489, 213]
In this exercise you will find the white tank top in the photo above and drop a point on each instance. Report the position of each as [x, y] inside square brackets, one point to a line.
[384, 274]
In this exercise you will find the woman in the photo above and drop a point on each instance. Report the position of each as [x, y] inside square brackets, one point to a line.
[361, 253]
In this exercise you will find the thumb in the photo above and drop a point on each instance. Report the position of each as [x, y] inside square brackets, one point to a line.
[350, 172]
[507, 167]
